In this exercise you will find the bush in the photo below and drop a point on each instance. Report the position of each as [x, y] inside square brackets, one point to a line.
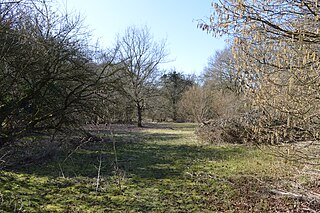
[223, 130]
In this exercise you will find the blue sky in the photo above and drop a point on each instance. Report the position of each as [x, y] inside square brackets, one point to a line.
[173, 20]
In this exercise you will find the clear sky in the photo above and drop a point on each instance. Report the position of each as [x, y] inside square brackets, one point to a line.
[173, 20]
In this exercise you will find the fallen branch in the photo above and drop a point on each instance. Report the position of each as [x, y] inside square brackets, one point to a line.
[308, 197]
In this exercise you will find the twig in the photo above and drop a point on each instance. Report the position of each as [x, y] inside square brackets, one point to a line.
[61, 171]
[2, 157]
[82, 142]
[289, 194]
[309, 210]
[10, 2]
[116, 163]
[99, 172]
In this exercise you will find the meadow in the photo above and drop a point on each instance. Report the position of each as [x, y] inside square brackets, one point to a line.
[159, 168]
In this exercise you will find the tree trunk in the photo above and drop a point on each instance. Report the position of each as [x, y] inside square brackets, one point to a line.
[139, 114]
[174, 117]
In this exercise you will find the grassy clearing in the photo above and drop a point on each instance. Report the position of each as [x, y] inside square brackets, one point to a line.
[156, 169]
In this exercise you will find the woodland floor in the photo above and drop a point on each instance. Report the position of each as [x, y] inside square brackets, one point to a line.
[160, 168]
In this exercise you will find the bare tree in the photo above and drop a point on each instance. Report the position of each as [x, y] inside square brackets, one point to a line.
[48, 76]
[197, 103]
[140, 56]
[276, 45]
[221, 72]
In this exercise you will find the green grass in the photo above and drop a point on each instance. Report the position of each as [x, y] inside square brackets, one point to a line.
[158, 170]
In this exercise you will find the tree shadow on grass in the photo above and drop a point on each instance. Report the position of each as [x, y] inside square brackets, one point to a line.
[170, 161]
[139, 154]
[156, 167]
